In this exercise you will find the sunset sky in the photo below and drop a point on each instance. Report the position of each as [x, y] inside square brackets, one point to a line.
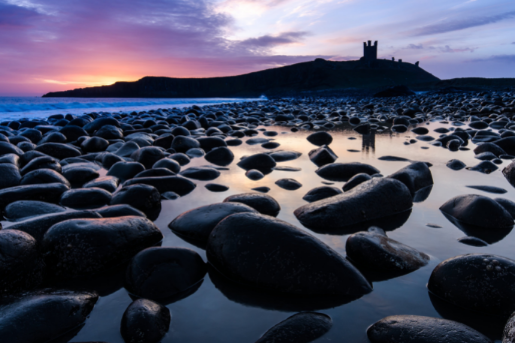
[51, 45]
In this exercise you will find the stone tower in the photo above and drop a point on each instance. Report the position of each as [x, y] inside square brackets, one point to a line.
[370, 51]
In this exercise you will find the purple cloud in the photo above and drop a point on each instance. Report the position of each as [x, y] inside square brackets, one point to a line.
[271, 41]
[497, 58]
[12, 15]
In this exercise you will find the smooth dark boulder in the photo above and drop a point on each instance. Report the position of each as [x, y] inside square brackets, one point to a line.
[79, 175]
[161, 273]
[215, 187]
[270, 254]
[119, 211]
[163, 184]
[262, 203]
[320, 138]
[155, 172]
[38, 226]
[473, 241]
[374, 251]
[85, 247]
[145, 321]
[344, 171]
[508, 205]
[485, 167]
[320, 193]
[221, 156]
[201, 173]
[41, 176]
[10, 175]
[479, 211]
[109, 183]
[58, 150]
[168, 163]
[127, 149]
[509, 173]
[374, 199]
[356, 180]
[455, 164]
[507, 144]
[415, 176]
[8, 148]
[183, 143]
[302, 327]
[44, 162]
[254, 174]
[420, 131]
[411, 329]
[322, 156]
[209, 143]
[288, 184]
[181, 158]
[85, 198]
[48, 192]
[21, 265]
[109, 132]
[196, 225]
[509, 330]
[260, 162]
[24, 209]
[478, 282]
[148, 156]
[283, 156]
[489, 189]
[125, 170]
[143, 197]
[489, 147]
[94, 144]
[57, 313]
[109, 159]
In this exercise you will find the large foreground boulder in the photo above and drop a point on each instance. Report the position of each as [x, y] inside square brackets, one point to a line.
[415, 176]
[43, 316]
[411, 329]
[85, 247]
[271, 254]
[374, 199]
[302, 327]
[479, 282]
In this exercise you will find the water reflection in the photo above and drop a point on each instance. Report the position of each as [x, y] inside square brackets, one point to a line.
[489, 235]
[369, 142]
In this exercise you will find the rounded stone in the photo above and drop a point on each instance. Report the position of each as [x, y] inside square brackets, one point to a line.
[262, 203]
[23, 209]
[145, 321]
[85, 198]
[344, 171]
[302, 327]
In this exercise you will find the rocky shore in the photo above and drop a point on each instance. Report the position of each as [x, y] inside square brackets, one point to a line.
[80, 196]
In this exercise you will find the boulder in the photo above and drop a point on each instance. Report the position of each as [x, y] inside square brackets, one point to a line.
[507, 144]
[58, 150]
[374, 199]
[261, 162]
[508, 205]
[148, 156]
[183, 143]
[270, 254]
[125, 170]
[221, 156]
[44, 162]
[509, 330]
[302, 327]
[262, 203]
[455, 164]
[344, 171]
[415, 176]
[163, 184]
[320, 138]
[509, 173]
[109, 183]
[201, 173]
[322, 156]
[24, 209]
[85, 198]
[288, 184]
[254, 174]
[143, 197]
[356, 180]
[169, 164]
[85, 247]
[320, 193]
[145, 321]
[119, 211]
[10, 175]
[48, 192]
[283, 156]
[41, 176]
[79, 175]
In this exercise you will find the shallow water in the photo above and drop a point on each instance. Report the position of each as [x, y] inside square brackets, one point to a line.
[220, 312]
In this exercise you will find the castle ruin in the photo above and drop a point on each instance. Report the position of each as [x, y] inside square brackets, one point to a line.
[370, 51]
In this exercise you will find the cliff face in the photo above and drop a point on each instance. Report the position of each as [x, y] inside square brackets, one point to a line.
[318, 75]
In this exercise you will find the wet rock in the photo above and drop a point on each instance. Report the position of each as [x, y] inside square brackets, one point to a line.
[270, 145]
[485, 167]
[302, 327]
[24, 209]
[214, 187]
[109, 183]
[254, 174]
[288, 184]
[8, 148]
[44, 162]
[393, 159]
[183, 143]
[38, 226]
[406, 329]
[143, 197]
[509, 330]
[221, 156]
[209, 143]
[85, 247]
[169, 164]
[234, 142]
[85, 198]
[109, 132]
[261, 189]
[288, 259]
[489, 189]
[485, 156]
[507, 144]
[196, 225]
[119, 211]
[489, 147]
[10, 158]
[473, 241]
[41, 176]
[478, 210]
[262, 203]
[160, 274]
[57, 313]
[479, 125]
[478, 282]
[376, 252]
[163, 184]
[145, 321]
[509, 173]
[456, 164]
[374, 199]
[127, 149]
[508, 205]
[415, 176]
[125, 170]
[49, 192]
[181, 158]
[260, 162]
[256, 141]
[147, 156]
[10, 175]
[282, 156]
[356, 180]
[58, 150]
[21, 266]
[77, 176]
[94, 144]
[201, 173]
[344, 171]
[322, 156]
[320, 193]
[155, 172]
[420, 131]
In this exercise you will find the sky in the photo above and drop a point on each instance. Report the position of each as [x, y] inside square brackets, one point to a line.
[52, 45]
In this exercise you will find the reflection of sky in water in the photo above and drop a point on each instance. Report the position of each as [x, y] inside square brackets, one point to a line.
[208, 315]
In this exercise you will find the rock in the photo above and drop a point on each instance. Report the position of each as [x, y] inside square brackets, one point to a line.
[508, 205]
[125, 170]
[49, 192]
[221, 156]
[415, 176]
[374, 199]
[485, 167]
[473, 241]
[57, 313]
[44, 162]
[489, 147]
[147, 156]
[394, 91]
[478, 282]
[145, 321]
[196, 225]
[85, 198]
[509, 173]
[176, 184]
[24, 209]
[456, 165]
[160, 274]
[288, 184]
[261, 162]
[41, 176]
[8, 148]
[58, 150]
[143, 197]
[376, 252]
[181, 158]
[21, 266]
[119, 211]
[261, 189]
[320, 193]
[485, 156]
[127, 149]
[109, 183]
[77, 176]
[10, 175]
[407, 329]
[94, 144]
[209, 143]
[420, 131]
[489, 189]
[109, 132]
[201, 173]
[478, 211]
[283, 156]
[169, 164]
[254, 174]
[183, 143]
[507, 144]
[273, 255]
[38, 226]
[270, 145]
[85, 247]
[155, 172]
[509, 331]
[262, 203]
[322, 156]
[356, 180]
[302, 327]
[214, 187]
[344, 171]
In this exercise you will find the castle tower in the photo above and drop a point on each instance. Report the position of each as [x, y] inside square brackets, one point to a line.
[370, 51]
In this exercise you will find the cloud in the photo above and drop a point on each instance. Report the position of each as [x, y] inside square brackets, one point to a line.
[497, 58]
[450, 25]
[268, 41]
[12, 15]
[443, 49]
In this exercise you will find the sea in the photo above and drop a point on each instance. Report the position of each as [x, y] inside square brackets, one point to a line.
[13, 108]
